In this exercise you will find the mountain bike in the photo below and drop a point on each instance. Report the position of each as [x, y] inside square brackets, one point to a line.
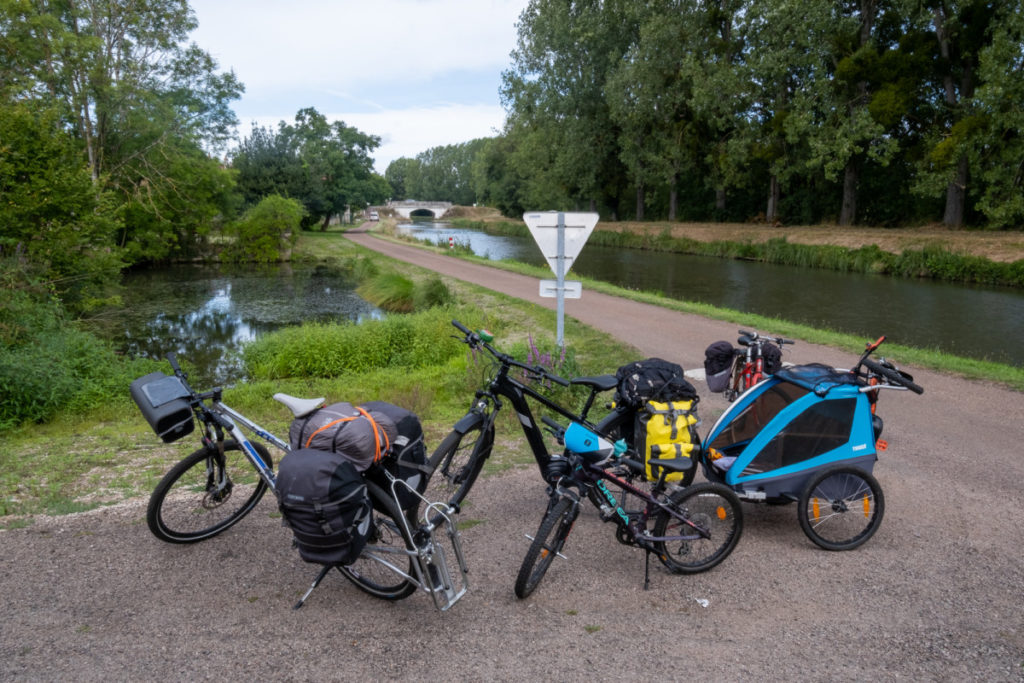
[458, 460]
[216, 486]
[690, 529]
[758, 357]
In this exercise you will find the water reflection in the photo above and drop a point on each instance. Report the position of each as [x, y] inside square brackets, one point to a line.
[971, 321]
[205, 314]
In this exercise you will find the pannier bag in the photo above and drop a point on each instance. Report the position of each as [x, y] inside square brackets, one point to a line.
[772, 356]
[407, 459]
[162, 401]
[718, 359]
[323, 499]
[361, 435]
[652, 379]
[666, 431]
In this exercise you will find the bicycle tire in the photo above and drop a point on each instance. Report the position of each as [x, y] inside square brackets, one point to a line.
[457, 463]
[184, 509]
[712, 507]
[371, 576]
[892, 376]
[853, 508]
[546, 545]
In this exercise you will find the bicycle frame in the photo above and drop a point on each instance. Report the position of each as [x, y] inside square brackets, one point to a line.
[586, 475]
[226, 417]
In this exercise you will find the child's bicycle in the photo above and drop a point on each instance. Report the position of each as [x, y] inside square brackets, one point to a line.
[758, 357]
[689, 529]
[809, 434]
[220, 483]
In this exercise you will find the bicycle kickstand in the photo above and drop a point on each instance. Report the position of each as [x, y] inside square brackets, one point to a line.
[316, 582]
[647, 569]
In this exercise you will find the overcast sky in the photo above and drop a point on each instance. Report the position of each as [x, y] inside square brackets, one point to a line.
[416, 73]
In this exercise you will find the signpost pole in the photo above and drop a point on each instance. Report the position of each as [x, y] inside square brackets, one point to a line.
[560, 276]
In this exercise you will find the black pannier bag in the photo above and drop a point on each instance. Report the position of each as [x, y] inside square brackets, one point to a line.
[162, 399]
[772, 356]
[363, 436]
[652, 379]
[407, 459]
[718, 358]
[323, 499]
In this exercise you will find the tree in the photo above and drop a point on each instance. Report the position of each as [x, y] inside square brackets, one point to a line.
[325, 165]
[50, 210]
[267, 231]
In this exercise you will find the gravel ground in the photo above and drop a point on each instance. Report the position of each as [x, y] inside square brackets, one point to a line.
[937, 594]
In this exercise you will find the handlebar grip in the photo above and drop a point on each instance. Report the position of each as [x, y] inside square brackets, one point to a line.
[878, 342]
[172, 358]
[462, 328]
[557, 380]
[745, 333]
[892, 375]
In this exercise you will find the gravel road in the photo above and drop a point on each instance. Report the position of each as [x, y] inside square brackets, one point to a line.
[937, 594]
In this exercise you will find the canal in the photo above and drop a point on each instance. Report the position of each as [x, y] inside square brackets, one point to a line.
[970, 321]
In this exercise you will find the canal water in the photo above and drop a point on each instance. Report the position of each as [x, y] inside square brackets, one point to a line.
[206, 314]
[970, 321]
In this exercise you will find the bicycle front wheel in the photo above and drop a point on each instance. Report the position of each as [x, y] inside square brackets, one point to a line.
[205, 494]
[717, 518]
[841, 507]
[457, 462]
[385, 566]
[548, 542]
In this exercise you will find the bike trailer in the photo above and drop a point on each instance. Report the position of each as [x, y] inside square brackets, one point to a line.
[162, 400]
[768, 443]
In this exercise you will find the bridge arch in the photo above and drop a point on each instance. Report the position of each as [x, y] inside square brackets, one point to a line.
[407, 208]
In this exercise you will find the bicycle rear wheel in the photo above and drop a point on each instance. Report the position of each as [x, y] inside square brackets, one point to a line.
[841, 508]
[387, 550]
[714, 509]
[548, 542]
[205, 494]
[457, 462]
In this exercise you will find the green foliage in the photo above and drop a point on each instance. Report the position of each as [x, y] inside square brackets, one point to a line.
[433, 292]
[412, 342]
[266, 231]
[324, 165]
[50, 212]
[46, 364]
[390, 291]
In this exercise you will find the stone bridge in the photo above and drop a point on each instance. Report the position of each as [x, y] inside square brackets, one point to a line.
[407, 208]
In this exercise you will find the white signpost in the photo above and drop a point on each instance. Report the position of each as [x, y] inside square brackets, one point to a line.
[561, 237]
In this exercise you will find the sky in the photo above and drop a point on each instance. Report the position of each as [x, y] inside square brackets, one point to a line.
[416, 73]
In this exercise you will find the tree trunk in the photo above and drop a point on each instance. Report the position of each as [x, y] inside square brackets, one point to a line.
[327, 220]
[956, 196]
[640, 202]
[774, 192]
[720, 198]
[848, 212]
[673, 199]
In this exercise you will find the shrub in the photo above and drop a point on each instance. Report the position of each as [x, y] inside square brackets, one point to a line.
[267, 231]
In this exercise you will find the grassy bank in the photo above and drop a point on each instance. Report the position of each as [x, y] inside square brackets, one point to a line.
[936, 259]
[101, 456]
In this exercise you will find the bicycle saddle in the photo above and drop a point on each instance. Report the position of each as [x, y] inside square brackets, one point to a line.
[300, 407]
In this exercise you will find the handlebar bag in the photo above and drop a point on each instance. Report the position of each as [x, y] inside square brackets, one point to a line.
[772, 356]
[323, 500]
[162, 399]
[407, 457]
[718, 359]
[361, 435]
[666, 431]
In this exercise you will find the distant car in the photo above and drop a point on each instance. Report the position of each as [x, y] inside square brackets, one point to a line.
[374, 216]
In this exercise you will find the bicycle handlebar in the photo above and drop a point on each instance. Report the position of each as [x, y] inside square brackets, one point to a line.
[474, 341]
[747, 338]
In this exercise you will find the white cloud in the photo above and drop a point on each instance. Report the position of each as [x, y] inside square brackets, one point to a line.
[416, 73]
